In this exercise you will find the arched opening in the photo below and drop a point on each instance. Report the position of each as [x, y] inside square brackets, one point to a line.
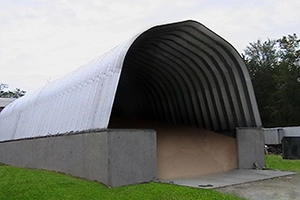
[181, 81]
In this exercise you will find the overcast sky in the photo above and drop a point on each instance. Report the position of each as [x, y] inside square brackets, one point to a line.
[41, 40]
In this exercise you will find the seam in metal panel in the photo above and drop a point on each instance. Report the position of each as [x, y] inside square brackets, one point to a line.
[170, 95]
[168, 79]
[231, 69]
[156, 65]
[143, 93]
[185, 61]
[241, 67]
[210, 83]
[156, 86]
[215, 73]
[154, 97]
[179, 74]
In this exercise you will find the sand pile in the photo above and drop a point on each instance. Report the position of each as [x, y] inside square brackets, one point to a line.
[184, 151]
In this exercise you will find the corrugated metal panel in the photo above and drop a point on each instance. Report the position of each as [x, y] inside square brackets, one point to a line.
[181, 73]
[79, 101]
[184, 73]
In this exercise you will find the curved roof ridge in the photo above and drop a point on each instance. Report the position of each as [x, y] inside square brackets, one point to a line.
[191, 75]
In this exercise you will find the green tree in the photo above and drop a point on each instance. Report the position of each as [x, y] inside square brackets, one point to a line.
[274, 67]
[5, 93]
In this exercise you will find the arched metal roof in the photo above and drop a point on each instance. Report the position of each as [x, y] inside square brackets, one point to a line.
[181, 73]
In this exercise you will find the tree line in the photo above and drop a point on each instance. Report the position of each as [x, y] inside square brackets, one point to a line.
[274, 67]
[6, 93]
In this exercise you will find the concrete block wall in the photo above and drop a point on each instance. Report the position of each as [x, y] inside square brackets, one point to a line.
[113, 157]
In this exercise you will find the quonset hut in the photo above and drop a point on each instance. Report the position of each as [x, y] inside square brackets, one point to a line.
[181, 80]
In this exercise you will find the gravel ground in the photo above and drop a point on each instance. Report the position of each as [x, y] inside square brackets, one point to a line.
[282, 188]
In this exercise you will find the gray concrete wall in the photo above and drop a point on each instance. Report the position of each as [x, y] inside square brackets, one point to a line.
[113, 157]
[132, 156]
[250, 148]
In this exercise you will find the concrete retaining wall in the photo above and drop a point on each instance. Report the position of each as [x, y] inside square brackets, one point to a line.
[250, 148]
[113, 157]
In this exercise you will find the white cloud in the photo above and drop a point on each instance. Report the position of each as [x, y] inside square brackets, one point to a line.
[42, 40]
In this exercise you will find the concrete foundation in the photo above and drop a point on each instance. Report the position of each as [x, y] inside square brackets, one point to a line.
[250, 148]
[184, 151]
[113, 157]
[129, 156]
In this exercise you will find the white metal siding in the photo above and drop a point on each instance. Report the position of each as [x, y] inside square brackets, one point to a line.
[181, 73]
[79, 101]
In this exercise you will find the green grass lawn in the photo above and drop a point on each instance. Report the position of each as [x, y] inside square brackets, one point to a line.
[276, 162]
[18, 183]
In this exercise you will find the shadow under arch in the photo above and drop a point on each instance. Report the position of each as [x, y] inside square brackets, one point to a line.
[183, 73]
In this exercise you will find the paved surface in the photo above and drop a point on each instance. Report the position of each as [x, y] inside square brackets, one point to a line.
[282, 188]
[234, 177]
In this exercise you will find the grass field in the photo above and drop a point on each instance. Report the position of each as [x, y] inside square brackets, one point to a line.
[276, 162]
[18, 184]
